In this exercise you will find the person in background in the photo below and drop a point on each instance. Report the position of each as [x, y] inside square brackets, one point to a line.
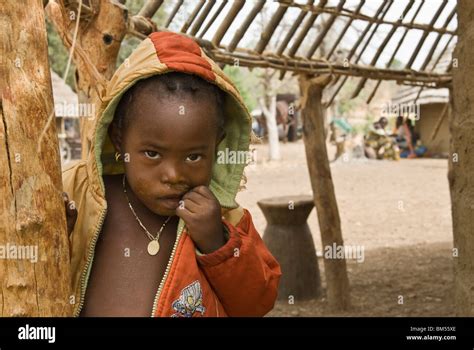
[383, 122]
[404, 137]
[378, 144]
[339, 132]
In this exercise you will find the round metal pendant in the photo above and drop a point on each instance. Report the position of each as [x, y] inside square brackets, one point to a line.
[153, 247]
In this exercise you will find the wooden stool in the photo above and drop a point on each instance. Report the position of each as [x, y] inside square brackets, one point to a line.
[289, 239]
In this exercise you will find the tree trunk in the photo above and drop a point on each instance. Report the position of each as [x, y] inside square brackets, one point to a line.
[272, 129]
[102, 28]
[323, 189]
[461, 162]
[34, 250]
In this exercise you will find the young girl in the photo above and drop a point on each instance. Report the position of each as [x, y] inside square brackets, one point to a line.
[158, 231]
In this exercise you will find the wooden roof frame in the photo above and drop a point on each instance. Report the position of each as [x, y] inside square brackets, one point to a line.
[285, 58]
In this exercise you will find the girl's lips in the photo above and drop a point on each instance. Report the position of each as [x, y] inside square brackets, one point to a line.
[171, 203]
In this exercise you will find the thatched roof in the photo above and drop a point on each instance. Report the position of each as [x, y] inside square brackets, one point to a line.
[411, 95]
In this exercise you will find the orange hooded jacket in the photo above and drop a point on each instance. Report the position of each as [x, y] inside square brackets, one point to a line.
[240, 278]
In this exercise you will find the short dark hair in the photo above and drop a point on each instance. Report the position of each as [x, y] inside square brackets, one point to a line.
[174, 84]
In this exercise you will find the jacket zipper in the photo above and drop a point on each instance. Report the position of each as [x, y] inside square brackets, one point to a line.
[167, 270]
[90, 256]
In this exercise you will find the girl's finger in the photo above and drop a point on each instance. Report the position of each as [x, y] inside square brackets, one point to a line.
[190, 205]
[195, 197]
[184, 214]
[204, 191]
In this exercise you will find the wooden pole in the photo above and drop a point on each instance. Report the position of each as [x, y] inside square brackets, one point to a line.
[327, 26]
[368, 18]
[173, 13]
[150, 8]
[211, 21]
[248, 58]
[270, 28]
[323, 188]
[305, 29]
[343, 32]
[34, 249]
[202, 17]
[239, 33]
[382, 10]
[395, 51]
[192, 16]
[237, 5]
[426, 32]
[461, 161]
[388, 37]
[294, 27]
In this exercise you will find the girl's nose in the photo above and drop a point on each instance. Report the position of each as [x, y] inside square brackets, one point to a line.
[170, 175]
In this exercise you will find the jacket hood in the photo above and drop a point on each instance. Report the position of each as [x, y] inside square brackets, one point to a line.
[161, 53]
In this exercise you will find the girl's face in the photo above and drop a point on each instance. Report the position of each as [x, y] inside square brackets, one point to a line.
[168, 147]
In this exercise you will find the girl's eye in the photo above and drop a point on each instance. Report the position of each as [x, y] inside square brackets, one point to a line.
[152, 154]
[193, 158]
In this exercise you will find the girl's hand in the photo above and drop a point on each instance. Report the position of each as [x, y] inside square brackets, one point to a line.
[201, 212]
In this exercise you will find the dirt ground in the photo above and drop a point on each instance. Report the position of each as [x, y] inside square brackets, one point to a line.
[398, 211]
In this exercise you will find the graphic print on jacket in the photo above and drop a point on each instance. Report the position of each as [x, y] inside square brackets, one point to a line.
[189, 302]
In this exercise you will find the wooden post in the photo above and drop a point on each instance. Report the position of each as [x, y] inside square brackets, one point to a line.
[34, 250]
[461, 161]
[323, 188]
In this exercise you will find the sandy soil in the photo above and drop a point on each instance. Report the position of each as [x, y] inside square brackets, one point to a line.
[399, 211]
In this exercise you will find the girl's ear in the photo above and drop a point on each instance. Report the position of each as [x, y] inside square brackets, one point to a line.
[115, 135]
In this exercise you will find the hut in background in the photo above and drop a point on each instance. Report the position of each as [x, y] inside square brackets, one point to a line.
[431, 104]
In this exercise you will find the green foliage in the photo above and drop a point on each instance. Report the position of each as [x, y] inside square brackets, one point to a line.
[242, 82]
[346, 104]
[363, 129]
